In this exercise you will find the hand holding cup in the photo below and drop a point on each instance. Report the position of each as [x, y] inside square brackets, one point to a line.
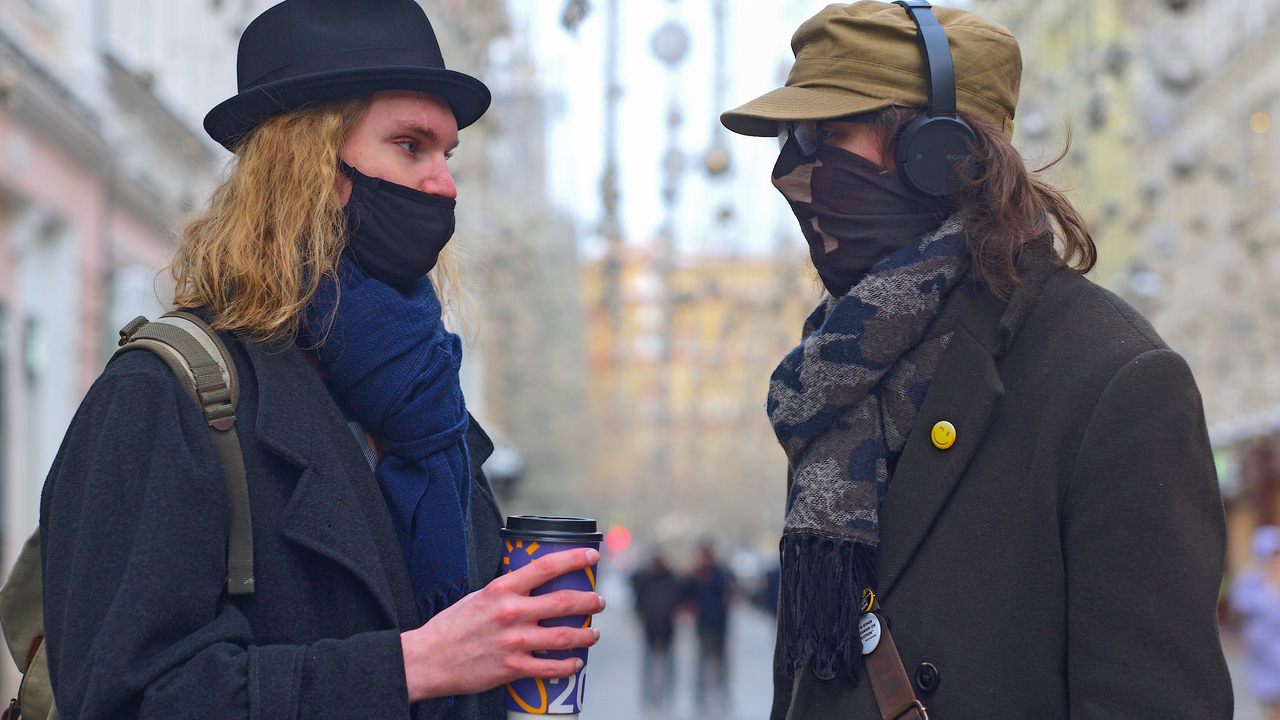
[490, 637]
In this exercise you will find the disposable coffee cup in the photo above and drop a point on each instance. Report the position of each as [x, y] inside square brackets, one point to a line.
[525, 539]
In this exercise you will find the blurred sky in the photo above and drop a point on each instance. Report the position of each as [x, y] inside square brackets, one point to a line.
[757, 58]
[572, 64]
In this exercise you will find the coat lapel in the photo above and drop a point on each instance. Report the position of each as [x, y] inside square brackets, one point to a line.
[964, 391]
[336, 501]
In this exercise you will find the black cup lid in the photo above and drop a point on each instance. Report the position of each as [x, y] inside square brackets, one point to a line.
[550, 527]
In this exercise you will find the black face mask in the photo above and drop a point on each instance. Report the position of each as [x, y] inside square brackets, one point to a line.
[853, 213]
[397, 232]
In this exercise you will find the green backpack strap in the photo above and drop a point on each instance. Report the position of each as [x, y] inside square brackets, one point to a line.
[201, 363]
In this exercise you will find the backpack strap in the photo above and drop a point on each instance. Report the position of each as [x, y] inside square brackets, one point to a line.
[22, 615]
[200, 361]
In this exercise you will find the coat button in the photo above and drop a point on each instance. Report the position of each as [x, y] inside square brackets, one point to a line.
[943, 435]
[927, 677]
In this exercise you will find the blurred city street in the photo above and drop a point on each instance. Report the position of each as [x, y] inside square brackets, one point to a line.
[613, 691]
[614, 670]
[1246, 707]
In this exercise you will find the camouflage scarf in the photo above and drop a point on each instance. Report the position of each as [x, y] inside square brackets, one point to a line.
[841, 405]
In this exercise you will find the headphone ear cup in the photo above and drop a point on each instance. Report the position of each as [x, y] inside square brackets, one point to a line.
[929, 150]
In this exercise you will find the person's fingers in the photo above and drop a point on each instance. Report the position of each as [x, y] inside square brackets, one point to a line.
[549, 566]
[562, 638]
[564, 603]
[537, 667]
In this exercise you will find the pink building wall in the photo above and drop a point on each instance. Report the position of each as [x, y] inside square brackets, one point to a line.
[61, 236]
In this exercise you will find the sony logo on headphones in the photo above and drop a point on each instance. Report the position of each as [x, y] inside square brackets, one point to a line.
[958, 157]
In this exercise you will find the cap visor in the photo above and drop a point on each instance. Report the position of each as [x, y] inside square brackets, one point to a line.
[760, 117]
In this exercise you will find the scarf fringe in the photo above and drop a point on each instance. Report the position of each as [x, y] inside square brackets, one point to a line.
[820, 604]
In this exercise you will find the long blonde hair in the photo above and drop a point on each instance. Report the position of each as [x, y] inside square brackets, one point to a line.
[274, 229]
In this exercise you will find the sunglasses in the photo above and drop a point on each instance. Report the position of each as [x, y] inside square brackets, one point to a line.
[807, 134]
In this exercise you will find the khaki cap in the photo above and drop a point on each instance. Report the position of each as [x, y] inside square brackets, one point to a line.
[853, 59]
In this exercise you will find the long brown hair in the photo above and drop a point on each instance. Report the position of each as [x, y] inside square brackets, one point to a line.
[274, 229]
[1005, 204]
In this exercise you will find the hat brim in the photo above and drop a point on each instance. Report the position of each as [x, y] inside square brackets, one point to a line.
[227, 123]
[760, 117]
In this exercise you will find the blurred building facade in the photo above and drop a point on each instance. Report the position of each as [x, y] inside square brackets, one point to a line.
[100, 151]
[683, 449]
[1177, 166]
[529, 351]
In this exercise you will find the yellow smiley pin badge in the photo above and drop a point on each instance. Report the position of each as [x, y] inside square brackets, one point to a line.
[943, 435]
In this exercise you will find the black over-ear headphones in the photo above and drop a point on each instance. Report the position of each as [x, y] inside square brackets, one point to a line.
[930, 148]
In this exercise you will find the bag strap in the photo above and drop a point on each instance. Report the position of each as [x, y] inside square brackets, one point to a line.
[200, 361]
[889, 682]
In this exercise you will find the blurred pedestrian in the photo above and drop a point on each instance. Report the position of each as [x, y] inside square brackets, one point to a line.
[1255, 598]
[658, 594]
[984, 447]
[768, 596]
[375, 535]
[710, 591]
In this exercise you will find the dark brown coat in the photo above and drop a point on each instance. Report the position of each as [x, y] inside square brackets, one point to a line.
[1063, 558]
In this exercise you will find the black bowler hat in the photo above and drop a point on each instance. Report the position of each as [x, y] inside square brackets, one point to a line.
[305, 51]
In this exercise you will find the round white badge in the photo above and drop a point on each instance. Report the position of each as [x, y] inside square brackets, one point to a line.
[869, 632]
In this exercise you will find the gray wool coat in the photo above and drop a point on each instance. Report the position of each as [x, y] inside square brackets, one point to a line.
[1063, 558]
[134, 522]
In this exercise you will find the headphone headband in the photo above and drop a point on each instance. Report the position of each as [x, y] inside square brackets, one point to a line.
[932, 146]
[941, 78]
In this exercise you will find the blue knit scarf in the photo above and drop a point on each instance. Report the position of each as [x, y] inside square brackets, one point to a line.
[395, 367]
